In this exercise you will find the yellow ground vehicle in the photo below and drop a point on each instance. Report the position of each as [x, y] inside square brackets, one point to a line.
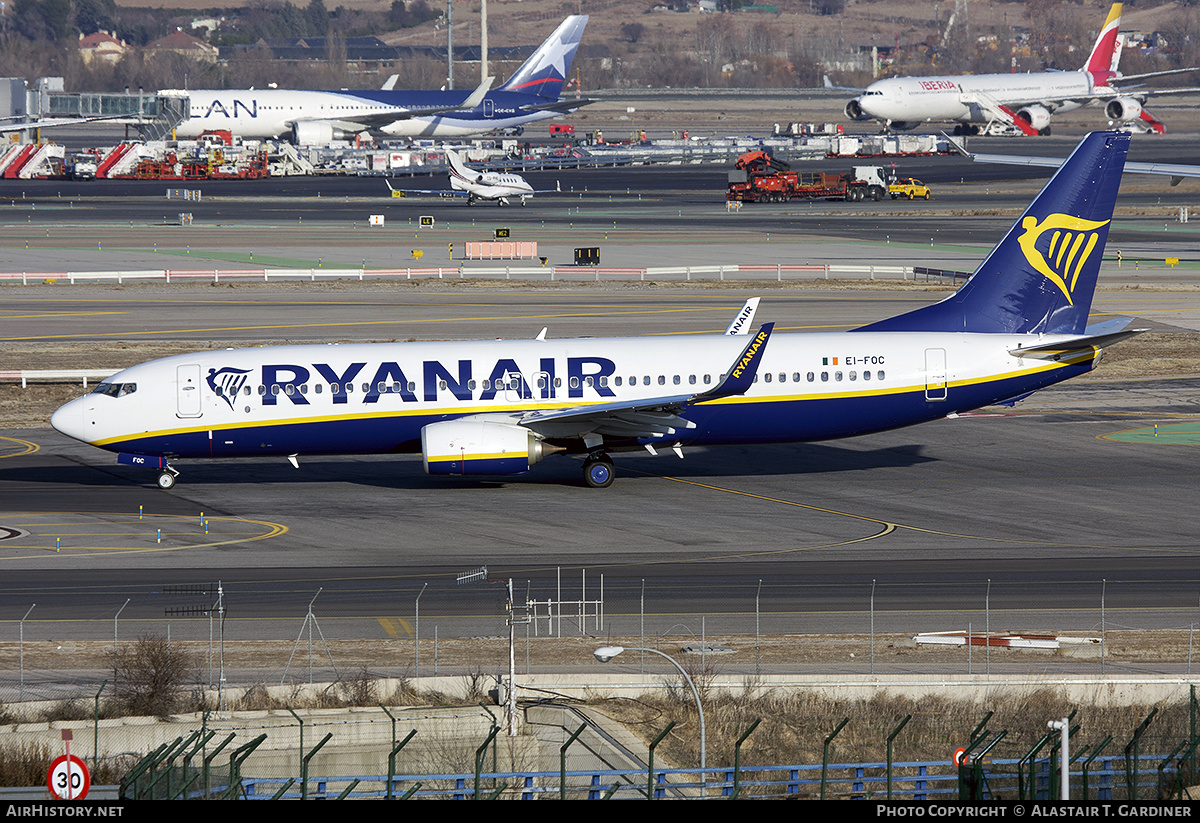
[909, 187]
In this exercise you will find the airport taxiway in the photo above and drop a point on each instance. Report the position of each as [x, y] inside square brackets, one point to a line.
[1038, 499]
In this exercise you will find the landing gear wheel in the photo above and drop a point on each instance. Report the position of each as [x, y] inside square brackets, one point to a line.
[166, 480]
[598, 472]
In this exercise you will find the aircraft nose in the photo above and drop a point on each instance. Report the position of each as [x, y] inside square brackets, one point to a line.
[68, 419]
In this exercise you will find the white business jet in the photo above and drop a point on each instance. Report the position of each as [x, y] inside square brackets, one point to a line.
[479, 186]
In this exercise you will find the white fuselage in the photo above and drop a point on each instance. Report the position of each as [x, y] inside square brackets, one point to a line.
[375, 398]
[493, 186]
[966, 98]
[268, 114]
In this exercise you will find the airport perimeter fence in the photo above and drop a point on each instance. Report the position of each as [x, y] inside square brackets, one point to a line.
[532, 272]
[399, 753]
[735, 627]
[905, 781]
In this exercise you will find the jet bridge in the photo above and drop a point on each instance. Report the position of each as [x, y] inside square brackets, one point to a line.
[153, 115]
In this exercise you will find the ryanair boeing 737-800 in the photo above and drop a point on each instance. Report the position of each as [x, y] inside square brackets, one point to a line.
[498, 407]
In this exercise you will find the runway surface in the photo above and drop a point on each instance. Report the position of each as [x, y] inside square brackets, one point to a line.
[1035, 500]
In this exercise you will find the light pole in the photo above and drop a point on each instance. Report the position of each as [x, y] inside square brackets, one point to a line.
[607, 653]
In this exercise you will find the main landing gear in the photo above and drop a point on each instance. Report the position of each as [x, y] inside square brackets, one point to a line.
[598, 470]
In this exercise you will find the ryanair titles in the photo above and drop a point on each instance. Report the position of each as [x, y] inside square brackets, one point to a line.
[461, 381]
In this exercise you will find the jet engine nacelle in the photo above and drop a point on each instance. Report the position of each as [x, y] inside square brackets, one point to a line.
[315, 134]
[1037, 117]
[854, 110]
[1123, 109]
[479, 447]
[903, 125]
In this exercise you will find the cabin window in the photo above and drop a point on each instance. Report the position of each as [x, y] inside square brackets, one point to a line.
[333, 388]
[617, 381]
[824, 377]
[837, 375]
[707, 379]
[262, 390]
[396, 387]
[691, 379]
[811, 376]
[471, 385]
[304, 388]
[275, 389]
[487, 384]
[767, 377]
[349, 388]
[782, 377]
[290, 389]
[587, 381]
[558, 382]
[796, 377]
[879, 374]
[646, 380]
[441, 384]
[866, 375]
[574, 382]
[246, 390]
[853, 376]
[318, 387]
[412, 387]
[604, 380]
[662, 380]
[675, 380]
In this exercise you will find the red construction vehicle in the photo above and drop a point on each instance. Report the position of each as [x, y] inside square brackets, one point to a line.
[758, 177]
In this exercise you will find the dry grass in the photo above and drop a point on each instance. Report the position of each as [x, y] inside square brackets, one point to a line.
[795, 724]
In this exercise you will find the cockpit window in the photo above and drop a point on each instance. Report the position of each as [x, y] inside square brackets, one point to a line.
[115, 389]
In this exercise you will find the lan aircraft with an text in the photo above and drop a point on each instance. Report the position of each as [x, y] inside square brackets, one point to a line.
[533, 93]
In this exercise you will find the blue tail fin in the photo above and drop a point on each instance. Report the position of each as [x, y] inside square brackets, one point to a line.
[546, 70]
[1042, 275]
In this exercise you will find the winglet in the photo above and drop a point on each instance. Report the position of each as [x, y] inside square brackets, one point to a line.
[390, 83]
[741, 323]
[741, 375]
[477, 96]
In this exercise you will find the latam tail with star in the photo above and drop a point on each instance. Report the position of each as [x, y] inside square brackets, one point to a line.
[533, 93]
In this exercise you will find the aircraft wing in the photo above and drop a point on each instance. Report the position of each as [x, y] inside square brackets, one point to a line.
[385, 117]
[651, 418]
[50, 123]
[828, 84]
[1176, 171]
[439, 192]
[562, 104]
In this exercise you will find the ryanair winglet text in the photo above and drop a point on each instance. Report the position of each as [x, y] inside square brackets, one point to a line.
[751, 351]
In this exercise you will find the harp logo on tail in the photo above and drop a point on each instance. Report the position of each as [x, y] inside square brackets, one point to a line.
[1059, 246]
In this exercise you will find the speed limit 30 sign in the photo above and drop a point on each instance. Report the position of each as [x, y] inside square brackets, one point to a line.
[68, 778]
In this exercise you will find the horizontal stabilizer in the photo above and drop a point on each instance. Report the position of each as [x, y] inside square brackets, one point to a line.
[1063, 348]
